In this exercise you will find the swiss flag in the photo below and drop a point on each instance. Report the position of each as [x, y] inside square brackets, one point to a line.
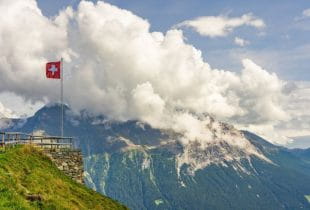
[53, 70]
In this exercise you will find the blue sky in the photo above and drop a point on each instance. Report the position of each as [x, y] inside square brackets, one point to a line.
[282, 46]
[134, 66]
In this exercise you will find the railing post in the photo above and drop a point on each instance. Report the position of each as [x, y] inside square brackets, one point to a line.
[9, 139]
[3, 143]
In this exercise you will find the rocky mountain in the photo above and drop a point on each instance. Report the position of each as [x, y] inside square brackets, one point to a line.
[147, 168]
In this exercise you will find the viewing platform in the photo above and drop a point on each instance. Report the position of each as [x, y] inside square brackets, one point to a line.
[59, 149]
[8, 139]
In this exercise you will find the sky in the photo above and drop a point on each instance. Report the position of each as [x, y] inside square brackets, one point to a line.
[281, 46]
[256, 55]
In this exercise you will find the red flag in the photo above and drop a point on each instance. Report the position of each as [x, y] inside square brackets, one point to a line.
[53, 70]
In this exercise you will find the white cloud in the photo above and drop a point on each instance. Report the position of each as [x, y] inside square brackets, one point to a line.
[6, 112]
[306, 13]
[214, 26]
[297, 106]
[20, 106]
[28, 40]
[119, 68]
[241, 42]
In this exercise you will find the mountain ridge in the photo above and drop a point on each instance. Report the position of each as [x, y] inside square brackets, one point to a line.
[132, 155]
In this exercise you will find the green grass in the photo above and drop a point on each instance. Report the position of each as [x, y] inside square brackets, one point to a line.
[27, 171]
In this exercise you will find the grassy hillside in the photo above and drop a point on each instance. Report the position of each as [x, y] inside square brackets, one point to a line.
[29, 180]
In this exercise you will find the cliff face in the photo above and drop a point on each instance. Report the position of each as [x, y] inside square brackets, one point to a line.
[30, 180]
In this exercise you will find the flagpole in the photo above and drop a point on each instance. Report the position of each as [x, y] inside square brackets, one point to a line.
[61, 99]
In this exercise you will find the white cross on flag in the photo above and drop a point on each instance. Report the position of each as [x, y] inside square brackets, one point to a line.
[53, 70]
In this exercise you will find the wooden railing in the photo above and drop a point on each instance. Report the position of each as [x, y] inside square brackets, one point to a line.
[48, 142]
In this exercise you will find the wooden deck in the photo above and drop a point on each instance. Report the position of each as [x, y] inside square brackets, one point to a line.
[8, 139]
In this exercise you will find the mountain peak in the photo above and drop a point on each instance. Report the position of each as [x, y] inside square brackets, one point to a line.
[228, 145]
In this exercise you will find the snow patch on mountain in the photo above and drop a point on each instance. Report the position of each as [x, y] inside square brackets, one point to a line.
[90, 163]
[89, 181]
[146, 163]
[132, 146]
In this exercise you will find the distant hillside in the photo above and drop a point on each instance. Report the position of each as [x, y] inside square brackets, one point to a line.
[304, 154]
[29, 180]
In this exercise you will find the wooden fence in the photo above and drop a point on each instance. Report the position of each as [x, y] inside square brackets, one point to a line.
[48, 142]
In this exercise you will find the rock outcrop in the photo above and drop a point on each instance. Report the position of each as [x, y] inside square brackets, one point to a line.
[69, 161]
